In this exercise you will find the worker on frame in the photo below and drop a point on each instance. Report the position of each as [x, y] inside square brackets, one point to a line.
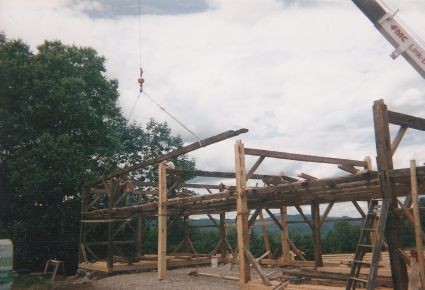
[128, 188]
[170, 181]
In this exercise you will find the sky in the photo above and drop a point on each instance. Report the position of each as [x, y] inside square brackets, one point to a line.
[301, 75]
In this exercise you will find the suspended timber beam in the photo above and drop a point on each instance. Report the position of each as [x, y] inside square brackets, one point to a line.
[174, 153]
[405, 120]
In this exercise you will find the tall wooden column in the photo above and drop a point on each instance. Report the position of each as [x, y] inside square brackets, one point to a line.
[162, 222]
[317, 239]
[84, 201]
[242, 213]
[139, 220]
[265, 236]
[223, 234]
[393, 229]
[286, 256]
[111, 187]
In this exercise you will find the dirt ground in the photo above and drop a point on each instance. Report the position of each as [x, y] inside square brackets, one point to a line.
[175, 279]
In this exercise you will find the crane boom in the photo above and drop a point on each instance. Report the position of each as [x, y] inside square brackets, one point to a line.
[404, 42]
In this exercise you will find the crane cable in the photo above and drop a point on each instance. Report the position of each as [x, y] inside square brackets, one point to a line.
[173, 117]
[141, 81]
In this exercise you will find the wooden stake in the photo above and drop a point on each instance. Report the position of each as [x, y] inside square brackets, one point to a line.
[242, 213]
[162, 222]
[417, 219]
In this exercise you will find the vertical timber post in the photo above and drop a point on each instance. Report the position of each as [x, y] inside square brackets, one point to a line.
[265, 236]
[111, 187]
[242, 213]
[84, 200]
[393, 229]
[223, 249]
[417, 220]
[162, 222]
[139, 220]
[286, 256]
[317, 239]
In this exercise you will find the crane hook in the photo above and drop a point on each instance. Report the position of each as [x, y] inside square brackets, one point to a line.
[141, 80]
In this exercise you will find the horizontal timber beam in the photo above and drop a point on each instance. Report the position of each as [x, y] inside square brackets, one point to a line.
[406, 120]
[302, 157]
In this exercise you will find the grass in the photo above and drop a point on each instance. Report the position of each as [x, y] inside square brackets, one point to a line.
[31, 282]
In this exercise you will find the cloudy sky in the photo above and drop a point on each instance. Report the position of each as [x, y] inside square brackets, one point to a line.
[301, 75]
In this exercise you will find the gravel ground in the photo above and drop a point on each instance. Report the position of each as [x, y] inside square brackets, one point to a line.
[175, 279]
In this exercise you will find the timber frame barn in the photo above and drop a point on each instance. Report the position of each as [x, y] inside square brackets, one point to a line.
[392, 196]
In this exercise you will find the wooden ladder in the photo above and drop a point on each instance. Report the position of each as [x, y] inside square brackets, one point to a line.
[378, 209]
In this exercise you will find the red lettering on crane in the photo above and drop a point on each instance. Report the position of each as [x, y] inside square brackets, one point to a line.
[400, 34]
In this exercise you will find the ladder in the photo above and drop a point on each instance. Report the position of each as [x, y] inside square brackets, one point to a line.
[378, 208]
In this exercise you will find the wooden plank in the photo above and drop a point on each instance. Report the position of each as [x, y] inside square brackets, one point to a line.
[162, 222]
[253, 217]
[303, 157]
[406, 120]
[242, 213]
[417, 220]
[255, 167]
[398, 138]
[174, 153]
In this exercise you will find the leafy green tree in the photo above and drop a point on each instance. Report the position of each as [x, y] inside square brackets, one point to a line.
[342, 238]
[59, 126]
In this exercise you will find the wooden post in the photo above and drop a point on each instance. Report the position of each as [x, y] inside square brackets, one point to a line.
[317, 239]
[417, 219]
[139, 236]
[286, 256]
[242, 214]
[111, 187]
[223, 248]
[162, 222]
[84, 200]
[265, 235]
[393, 229]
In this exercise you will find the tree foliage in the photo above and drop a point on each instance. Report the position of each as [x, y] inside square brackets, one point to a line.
[59, 126]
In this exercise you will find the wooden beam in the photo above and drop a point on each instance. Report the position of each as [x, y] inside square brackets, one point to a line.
[257, 267]
[284, 235]
[242, 214]
[398, 138]
[255, 167]
[162, 222]
[174, 153]
[306, 176]
[253, 217]
[326, 212]
[219, 174]
[300, 211]
[406, 120]
[315, 215]
[417, 219]
[302, 157]
[265, 235]
[393, 229]
[348, 168]
[139, 220]
[359, 209]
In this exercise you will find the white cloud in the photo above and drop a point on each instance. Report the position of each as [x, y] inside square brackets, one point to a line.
[301, 77]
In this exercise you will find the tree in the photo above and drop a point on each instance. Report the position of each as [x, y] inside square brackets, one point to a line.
[59, 126]
[342, 238]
